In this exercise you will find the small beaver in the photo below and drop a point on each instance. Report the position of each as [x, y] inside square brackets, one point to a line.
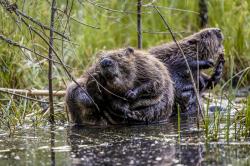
[201, 50]
[141, 80]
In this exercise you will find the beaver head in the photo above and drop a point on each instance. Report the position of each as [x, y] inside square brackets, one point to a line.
[208, 42]
[117, 67]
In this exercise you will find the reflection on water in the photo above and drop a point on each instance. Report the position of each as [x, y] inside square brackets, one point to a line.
[119, 145]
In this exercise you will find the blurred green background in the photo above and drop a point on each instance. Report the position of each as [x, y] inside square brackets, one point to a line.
[22, 69]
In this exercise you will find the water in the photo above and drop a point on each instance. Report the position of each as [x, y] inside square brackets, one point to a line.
[120, 145]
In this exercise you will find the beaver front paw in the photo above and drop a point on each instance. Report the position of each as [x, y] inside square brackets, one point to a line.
[131, 95]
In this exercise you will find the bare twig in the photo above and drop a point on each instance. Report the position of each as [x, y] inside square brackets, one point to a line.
[14, 8]
[78, 21]
[159, 32]
[112, 10]
[51, 42]
[139, 24]
[189, 69]
[171, 8]
[13, 43]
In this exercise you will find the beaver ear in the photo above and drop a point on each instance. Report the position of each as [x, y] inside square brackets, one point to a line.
[129, 50]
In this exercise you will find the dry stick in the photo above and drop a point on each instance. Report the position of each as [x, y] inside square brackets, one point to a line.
[189, 69]
[15, 94]
[139, 24]
[13, 43]
[51, 42]
[34, 92]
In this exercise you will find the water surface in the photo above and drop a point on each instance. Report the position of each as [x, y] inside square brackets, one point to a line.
[158, 144]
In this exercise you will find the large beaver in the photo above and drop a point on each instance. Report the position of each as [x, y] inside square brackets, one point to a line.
[201, 50]
[128, 85]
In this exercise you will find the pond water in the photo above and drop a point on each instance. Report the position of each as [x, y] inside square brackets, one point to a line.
[158, 144]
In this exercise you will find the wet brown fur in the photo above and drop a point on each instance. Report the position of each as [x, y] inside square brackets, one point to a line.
[205, 47]
[140, 71]
[136, 71]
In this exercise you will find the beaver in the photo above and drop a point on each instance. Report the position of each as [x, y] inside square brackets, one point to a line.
[142, 79]
[130, 86]
[201, 50]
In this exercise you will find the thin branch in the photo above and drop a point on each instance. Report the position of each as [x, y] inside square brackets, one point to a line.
[78, 21]
[41, 25]
[14, 8]
[189, 69]
[13, 43]
[112, 10]
[159, 32]
[171, 8]
[51, 42]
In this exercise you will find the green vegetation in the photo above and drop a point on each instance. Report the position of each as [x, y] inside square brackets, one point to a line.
[20, 68]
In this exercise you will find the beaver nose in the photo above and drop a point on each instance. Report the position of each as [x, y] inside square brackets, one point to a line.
[106, 62]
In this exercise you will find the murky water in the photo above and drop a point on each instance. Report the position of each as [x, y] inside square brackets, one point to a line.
[120, 145]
